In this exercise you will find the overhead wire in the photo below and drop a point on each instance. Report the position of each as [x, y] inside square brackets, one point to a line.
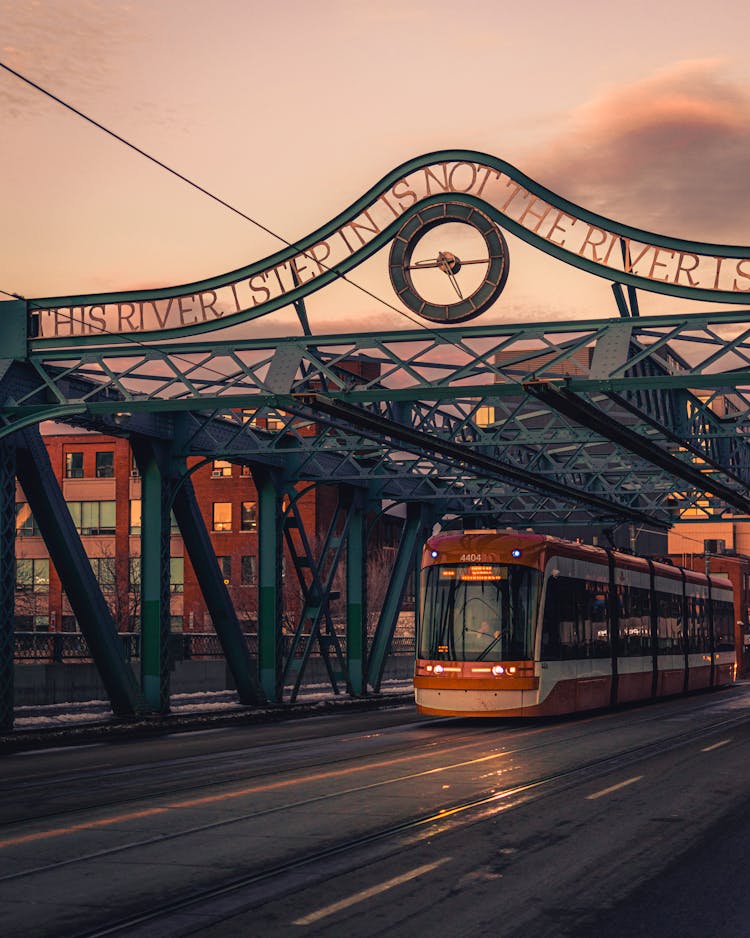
[190, 182]
[204, 191]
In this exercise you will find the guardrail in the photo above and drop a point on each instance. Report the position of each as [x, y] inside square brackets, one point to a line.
[46, 647]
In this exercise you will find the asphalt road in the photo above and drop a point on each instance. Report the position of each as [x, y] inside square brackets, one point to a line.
[626, 823]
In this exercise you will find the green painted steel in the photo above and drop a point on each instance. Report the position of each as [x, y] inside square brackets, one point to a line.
[647, 415]
[67, 553]
[154, 572]
[378, 192]
[7, 582]
[218, 601]
[269, 585]
[316, 575]
[412, 537]
[356, 602]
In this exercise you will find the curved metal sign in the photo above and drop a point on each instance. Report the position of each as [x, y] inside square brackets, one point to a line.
[476, 182]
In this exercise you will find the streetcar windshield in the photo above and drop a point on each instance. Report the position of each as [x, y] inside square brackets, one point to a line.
[478, 612]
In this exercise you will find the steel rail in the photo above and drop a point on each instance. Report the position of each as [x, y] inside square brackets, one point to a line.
[534, 789]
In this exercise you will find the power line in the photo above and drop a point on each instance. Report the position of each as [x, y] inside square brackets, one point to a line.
[186, 179]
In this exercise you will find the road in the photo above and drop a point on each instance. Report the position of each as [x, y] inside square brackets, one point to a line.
[383, 823]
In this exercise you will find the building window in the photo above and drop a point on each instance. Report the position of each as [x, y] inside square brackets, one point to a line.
[222, 516]
[74, 465]
[93, 517]
[177, 574]
[32, 575]
[25, 524]
[104, 571]
[134, 574]
[248, 571]
[135, 516]
[245, 472]
[105, 465]
[484, 416]
[221, 469]
[225, 566]
[134, 471]
[249, 519]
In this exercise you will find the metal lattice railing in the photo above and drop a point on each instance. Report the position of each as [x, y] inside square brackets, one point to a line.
[48, 647]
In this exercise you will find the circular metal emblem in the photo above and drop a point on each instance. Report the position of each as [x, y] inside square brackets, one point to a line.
[449, 297]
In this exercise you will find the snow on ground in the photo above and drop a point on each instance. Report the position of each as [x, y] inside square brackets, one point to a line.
[99, 711]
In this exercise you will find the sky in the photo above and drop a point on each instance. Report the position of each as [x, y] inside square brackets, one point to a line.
[289, 111]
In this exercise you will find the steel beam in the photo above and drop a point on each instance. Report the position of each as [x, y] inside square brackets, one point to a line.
[155, 549]
[412, 536]
[218, 601]
[270, 637]
[66, 551]
[356, 601]
[7, 581]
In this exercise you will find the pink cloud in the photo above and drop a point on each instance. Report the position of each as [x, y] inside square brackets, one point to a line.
[668, 153]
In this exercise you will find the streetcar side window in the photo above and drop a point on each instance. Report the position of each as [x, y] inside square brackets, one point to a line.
[697, 621]
[669, 623]
[576, 619]
[724, 625]
[634, 607]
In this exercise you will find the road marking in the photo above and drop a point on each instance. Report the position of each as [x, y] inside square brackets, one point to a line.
[251, 790]
[368, 893]
[44, 752]
[608, 791]
[722, 742]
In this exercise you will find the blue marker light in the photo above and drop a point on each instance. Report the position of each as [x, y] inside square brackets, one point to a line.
[515, 553]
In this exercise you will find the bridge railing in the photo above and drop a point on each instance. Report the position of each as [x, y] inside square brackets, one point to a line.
[46, 647]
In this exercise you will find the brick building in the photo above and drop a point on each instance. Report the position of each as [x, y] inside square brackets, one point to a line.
[102, 487]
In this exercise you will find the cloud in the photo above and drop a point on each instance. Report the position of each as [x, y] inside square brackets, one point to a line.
[669, 153]
[37, 41]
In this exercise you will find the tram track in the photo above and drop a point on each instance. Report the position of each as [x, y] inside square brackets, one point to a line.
[231, 895]
[595, 725]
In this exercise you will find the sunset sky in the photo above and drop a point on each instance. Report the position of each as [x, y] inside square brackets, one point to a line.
[290, 111]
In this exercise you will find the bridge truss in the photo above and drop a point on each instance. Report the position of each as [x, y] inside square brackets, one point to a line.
[629, 420]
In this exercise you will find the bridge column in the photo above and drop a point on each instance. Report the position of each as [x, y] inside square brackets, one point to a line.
[356, 601]
[7, 581]
[155, 621]
[269, 584]
[411, 538]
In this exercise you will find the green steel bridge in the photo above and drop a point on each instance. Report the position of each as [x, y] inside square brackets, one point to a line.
[624, 420]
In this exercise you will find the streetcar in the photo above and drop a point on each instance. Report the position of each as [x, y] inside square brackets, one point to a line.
[522, 624]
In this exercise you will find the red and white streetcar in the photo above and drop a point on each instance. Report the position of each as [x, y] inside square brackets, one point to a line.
[520, 624]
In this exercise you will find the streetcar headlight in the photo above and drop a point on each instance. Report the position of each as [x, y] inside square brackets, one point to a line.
[434, 554]
[438, 669]
[515, 553]
[498, 669]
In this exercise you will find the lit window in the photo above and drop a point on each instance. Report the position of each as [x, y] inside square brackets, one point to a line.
[221, 469]
[135, 516]
[222, 516]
